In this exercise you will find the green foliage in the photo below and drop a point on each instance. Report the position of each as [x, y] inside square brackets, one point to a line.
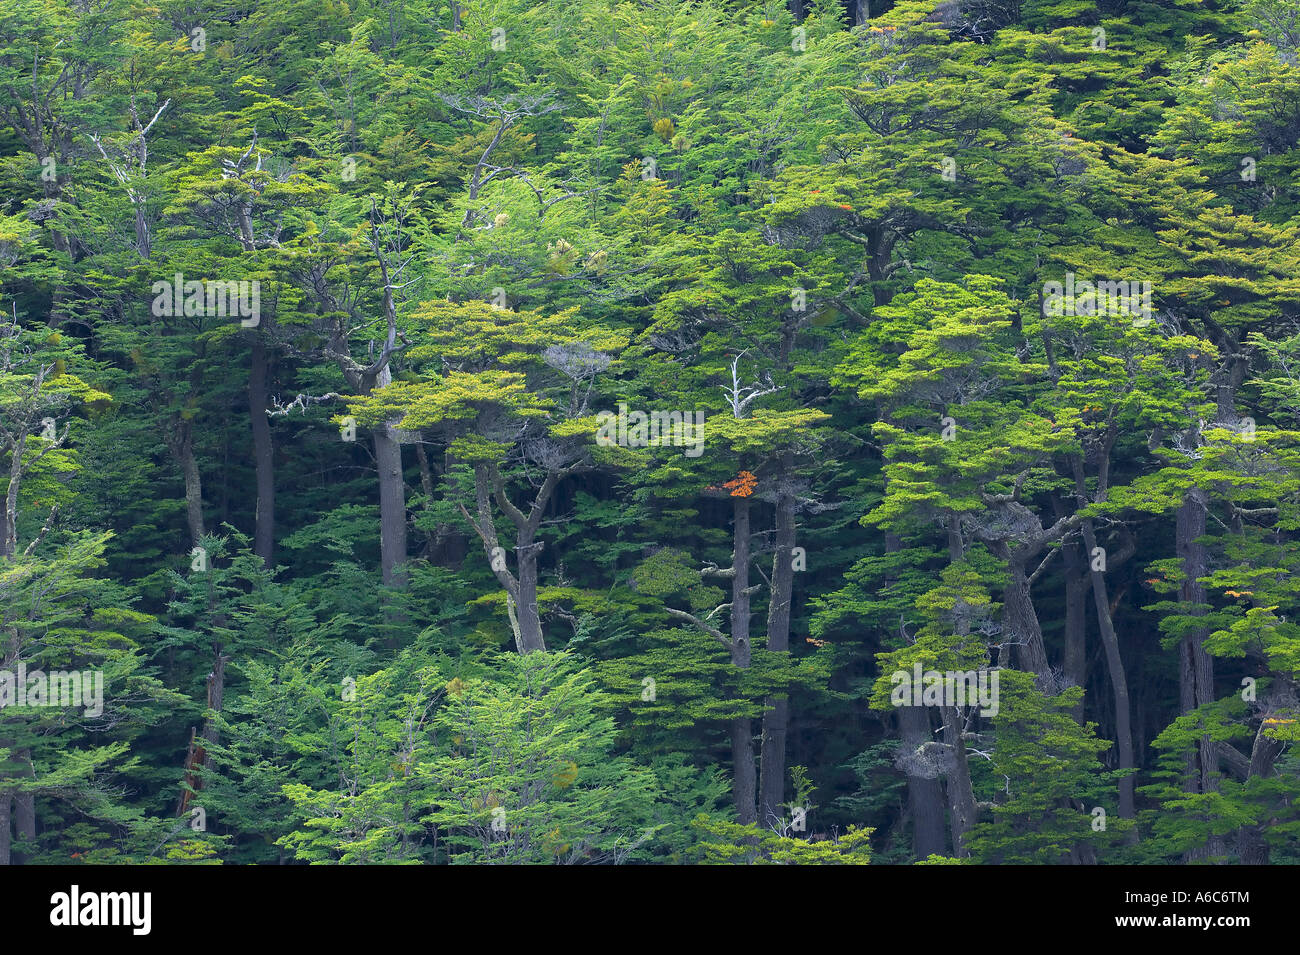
[302, 548]
[732, 844]
[1053, 781]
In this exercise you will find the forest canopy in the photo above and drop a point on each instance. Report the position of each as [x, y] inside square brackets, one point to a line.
[649, 431]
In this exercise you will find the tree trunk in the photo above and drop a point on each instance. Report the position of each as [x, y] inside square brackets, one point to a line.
[200, 753]
[1076, 619]
[263, 452]
[531, 636]
[1251, 847]
[521, 590]
[1020, 621]
[9, 660]
[53, 189]
[924, 794]
[25, 815]
[431, 537]
[182, 447]
[742, 734]
[776, 715]
[961, 795]
[17, 812]
[1195, 666]
[143, 239]
[1115, 668]
[9, 518]
[216, 698]
[447, 545]
[6, 838]
[392, 505]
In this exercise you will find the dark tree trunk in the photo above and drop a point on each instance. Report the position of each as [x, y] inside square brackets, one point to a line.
[924, 794]
[54, 190]
[6, 827]
[1075, 570]
[263, 452]
[426, 485]
[216, 699]
[1251, 847]
[25, 816]
[447, 545]
[9, 659]
[1115, 668]
[776, 716]
[200, 750]
[531, 636]
[20, 808]
[742, 732]
[961, 795]
[1195, 666]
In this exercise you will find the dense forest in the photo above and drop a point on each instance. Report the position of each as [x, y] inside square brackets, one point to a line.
[650, 431]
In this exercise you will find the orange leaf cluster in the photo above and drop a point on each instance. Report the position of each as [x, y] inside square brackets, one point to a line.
[742, 485]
